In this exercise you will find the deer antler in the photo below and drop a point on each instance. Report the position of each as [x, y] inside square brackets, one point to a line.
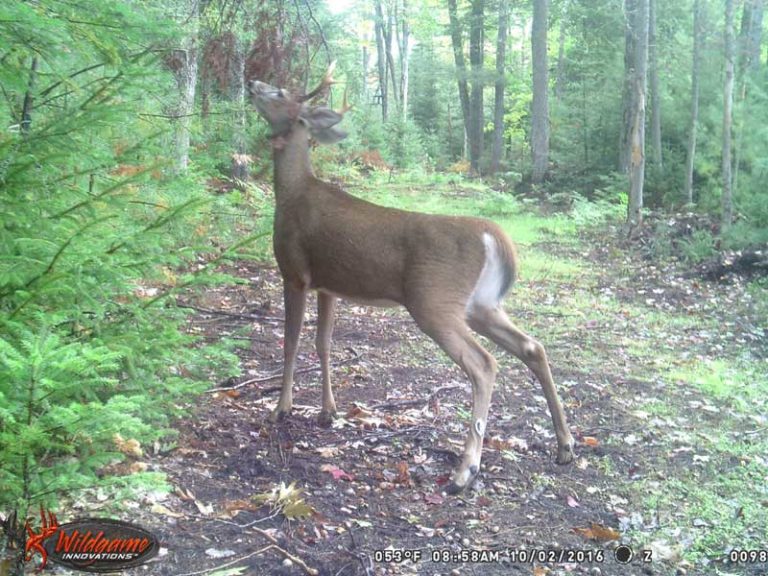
[325, 83]
[344, 106]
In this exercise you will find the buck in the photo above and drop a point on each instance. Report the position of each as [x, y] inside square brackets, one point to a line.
[449, 272]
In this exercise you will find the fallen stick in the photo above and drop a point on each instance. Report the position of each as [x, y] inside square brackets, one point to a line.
[279, 374]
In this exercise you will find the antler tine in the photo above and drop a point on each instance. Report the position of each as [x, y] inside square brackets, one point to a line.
[53, 522]
[345, 107]
[43, 519]
[325, 83]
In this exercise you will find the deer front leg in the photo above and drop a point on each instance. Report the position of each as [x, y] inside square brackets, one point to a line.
[295, 299]
[326, 306]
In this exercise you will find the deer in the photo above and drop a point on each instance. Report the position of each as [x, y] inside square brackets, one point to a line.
[449, 272]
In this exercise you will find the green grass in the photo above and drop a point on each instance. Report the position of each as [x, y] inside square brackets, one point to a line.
[717, 501]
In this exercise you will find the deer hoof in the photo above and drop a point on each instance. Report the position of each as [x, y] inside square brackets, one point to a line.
[565, 453]
[326, 418]
[455, 488]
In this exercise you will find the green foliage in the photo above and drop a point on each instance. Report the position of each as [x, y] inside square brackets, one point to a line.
[697, 247]
[95, 240]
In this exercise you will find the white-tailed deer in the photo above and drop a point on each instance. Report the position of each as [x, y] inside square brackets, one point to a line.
[449, 272]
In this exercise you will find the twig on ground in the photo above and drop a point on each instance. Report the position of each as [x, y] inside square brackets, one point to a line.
[274, 375]
[295, 559]
[241, 315]
[412, 430]
[403, 403]
[273, 546]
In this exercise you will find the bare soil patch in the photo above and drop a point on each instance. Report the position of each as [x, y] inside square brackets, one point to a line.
[374, 481]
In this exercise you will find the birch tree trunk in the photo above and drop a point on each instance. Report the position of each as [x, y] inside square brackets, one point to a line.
[540, 105]
[381, 61]
[560, 71]
[654, 86]
[498, 103]
[748, 61]
[461, 66]
[637, 126]
[390, 58]
[183, 65]
[690, 155]
[240, 158]
[629, 92]
[404, 59]
[727, 197]
[476, 102]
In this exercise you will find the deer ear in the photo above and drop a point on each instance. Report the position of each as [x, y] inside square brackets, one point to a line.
[320, 118]
[328, 135]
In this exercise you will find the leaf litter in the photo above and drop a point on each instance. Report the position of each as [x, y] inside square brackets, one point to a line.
[333, 497]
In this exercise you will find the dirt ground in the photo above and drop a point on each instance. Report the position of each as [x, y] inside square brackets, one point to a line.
[366, 496]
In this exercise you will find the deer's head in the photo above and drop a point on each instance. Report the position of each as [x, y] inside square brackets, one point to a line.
[287, 113]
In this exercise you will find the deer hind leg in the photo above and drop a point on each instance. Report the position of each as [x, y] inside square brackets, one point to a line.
[494, 324]
[455, 339]
[326, 305]
[295, 299]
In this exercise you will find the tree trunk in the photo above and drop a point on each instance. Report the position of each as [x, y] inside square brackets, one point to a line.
[240, 158]
[560, 73]
[364, 67]
[476, 102]
[461, 66]
[727, 197]
[748, 61]
[498, 102]
[694, 118]
[26, 107]
[381, 61]
[186, 81]
[654, 85]
[390, 58]
[183, 64]
[404, 56]
[540, 105]
[637, 125]
[629, 92]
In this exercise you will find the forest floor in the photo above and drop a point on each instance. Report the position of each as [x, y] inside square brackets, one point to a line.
[663, 380]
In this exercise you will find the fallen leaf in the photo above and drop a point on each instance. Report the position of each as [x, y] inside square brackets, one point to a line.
[216, 553]
[598, 532]
[434, 498]
[297, 509]
[403, 474]
[230, 571]
[205, 509]
[336, 472]
[328, 451]
[160, 509]
[572, 502]
[231, 508]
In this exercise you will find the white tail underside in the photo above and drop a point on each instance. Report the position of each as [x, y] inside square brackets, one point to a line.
[488, 290]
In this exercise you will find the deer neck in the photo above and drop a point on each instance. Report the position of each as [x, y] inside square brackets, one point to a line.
[293, 169]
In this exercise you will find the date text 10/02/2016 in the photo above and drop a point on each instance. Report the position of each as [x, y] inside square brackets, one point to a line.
[514, 555]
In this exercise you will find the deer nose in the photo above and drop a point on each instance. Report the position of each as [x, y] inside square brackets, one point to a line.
[258, 87]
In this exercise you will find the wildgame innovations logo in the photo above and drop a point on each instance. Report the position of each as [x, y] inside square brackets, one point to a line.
[89, 544]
